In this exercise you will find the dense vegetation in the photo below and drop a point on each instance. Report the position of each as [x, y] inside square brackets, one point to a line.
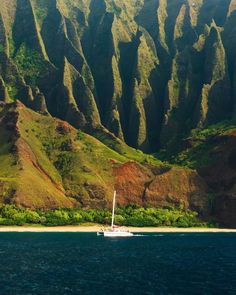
[128, 216]
[30, 64]
[200, 147]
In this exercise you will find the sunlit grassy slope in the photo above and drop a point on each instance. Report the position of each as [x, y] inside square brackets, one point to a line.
[46, 162]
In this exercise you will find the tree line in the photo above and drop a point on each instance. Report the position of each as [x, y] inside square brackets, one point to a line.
[125, 216]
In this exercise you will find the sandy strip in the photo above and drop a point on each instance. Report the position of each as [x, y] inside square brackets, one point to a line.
[96, 228]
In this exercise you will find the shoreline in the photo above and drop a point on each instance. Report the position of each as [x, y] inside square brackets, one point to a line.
[95, 228]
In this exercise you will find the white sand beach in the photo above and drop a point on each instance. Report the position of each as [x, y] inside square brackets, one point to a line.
[95, 228]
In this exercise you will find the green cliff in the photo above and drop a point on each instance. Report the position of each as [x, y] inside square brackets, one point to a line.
[147, 72]
[136, 75]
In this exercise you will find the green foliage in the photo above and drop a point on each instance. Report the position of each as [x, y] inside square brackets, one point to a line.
[11, 215]
[159, 217]
[64, 163]
[30, 64]
[40, 13]
[11, 46]
[128, 216]
[115, 9]
[125, 150]
[220, 128]
[1, 48]
[57, 217]
[67, 145]
[203, 145]
[12, 90]
[80, 135]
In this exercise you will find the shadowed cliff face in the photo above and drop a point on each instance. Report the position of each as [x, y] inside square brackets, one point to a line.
[212, 153]
[221, 177]
[149, 71]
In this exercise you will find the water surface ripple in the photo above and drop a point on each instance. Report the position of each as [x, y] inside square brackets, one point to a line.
[82, 263]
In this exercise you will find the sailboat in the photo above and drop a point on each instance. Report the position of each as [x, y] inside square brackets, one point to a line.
[114, 231]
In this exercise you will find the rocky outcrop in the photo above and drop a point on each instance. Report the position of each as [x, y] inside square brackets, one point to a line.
[161, 187]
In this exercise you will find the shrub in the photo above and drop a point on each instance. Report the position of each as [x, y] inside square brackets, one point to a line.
[129, 216]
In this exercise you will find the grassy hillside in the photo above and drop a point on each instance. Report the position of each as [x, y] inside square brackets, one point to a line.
[46, 163]
[51, 159]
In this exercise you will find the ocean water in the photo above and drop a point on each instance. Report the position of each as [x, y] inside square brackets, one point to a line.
[80, 263]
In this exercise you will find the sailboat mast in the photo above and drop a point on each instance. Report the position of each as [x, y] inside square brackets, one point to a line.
[113, 209]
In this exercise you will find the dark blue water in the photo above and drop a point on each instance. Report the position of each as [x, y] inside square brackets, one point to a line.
[75, 263]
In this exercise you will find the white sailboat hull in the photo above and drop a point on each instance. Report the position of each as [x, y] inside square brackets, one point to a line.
[115, 234]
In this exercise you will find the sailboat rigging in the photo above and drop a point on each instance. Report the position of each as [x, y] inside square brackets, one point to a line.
[114, 231]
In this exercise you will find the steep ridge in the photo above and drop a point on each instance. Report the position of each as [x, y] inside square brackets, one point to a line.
[148, 73]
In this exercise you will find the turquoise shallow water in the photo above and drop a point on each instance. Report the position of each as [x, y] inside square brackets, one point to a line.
[76, 263]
